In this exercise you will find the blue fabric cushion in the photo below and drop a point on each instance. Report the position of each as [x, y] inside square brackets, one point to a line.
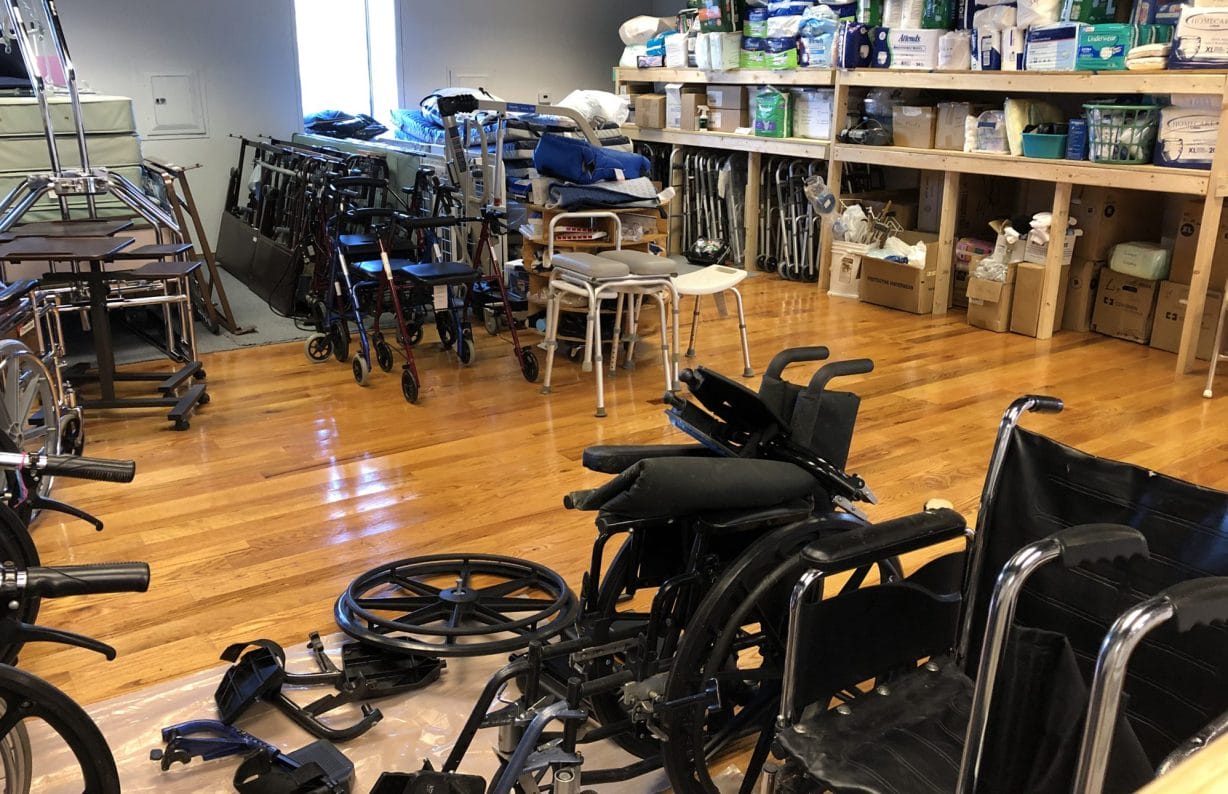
[582, 163]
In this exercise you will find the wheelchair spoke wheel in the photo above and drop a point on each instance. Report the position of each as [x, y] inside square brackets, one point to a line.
[45, 736]
[29, 413]
[735, 642]
[456, 605]
[318, 348]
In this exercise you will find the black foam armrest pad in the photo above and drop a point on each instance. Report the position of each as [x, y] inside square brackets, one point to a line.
[616, 458]
[662, 487]
[872, 542]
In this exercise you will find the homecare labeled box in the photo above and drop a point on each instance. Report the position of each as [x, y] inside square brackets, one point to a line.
[901, 286]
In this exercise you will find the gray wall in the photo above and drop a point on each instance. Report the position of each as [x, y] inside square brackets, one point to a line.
[244, 52]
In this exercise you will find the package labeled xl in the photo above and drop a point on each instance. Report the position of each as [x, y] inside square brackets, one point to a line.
[1201, 40]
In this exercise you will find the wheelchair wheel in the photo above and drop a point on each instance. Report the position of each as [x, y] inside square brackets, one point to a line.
[445, 324]
[29, 413]
[409, 386]
[362, 370]
[72, 752]
[735, 639]
[383, 355]
[17, 548]
[318, 348]
[528, 365]
[339, 335]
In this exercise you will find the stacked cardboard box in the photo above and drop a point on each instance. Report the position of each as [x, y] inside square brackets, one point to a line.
[727, 108]
[1026, 303]
[1125, 306]
[989, 302]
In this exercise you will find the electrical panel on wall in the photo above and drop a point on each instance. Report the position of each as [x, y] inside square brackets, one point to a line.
[177, 106]
[467, 78]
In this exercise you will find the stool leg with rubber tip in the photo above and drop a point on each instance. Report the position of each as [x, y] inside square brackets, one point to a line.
[592, 340]
[552, 337]
[622, 306]
[690, 350]
[676, 300]
[1217, 351]
[594, 321]
[636, 305]
[747, 371]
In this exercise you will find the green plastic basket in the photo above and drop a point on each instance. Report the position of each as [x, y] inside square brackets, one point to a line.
[1122, 134]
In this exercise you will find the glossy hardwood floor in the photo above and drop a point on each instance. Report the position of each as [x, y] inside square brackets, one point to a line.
[294, 480]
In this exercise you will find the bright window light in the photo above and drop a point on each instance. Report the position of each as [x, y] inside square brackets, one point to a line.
[347, 57]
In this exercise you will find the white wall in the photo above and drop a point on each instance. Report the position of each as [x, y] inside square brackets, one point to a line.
[523, 46]
[242, 50]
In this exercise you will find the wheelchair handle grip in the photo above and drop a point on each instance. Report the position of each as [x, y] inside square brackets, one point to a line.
[80, 580]
[81, 468]
[1038, 403]
[1198, 602]
[839, 369]
[1099, 543]
[793, 356]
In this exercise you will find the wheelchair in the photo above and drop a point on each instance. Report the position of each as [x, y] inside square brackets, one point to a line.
[1003, 672]
[690, 520]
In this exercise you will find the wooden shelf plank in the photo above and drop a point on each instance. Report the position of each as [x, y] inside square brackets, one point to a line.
[1134, 177]
[820, 77]
[795, 147]
[1044, 82]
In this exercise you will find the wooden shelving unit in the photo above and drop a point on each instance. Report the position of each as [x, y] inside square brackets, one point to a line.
[1211, 185]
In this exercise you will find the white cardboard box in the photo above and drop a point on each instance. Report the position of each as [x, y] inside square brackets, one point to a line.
[914, 48]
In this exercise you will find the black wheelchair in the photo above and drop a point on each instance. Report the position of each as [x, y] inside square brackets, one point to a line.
[1009, 677]
[690, 520]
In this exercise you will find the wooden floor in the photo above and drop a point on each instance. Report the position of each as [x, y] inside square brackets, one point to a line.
[294, 480]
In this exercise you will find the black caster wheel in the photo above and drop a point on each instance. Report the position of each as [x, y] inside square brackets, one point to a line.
[415, 334]
[181, 425]
[205, 399]
[446, 326]
[575, 353]
[761, 262]
[492, 324]
[319, 316]
[200, 374]
[409, 387]
[362, 370]
[318, 348]
[383, 355]
[467, 352]
[339, 335]
[456, 605]
[528, 365]
[72, 436]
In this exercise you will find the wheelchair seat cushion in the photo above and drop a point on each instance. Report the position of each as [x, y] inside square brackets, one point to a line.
[594, 268]
[614, 459]
[642, 263]
[666, 487]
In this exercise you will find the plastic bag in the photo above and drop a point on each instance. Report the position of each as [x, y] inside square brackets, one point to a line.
[773, 114]
[938, 14]
[1035, 13]
[430, 104]
[638, 30]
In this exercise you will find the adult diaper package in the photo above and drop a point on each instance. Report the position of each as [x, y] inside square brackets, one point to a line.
[1187, 136]
[1201, 39]
[1104, 47]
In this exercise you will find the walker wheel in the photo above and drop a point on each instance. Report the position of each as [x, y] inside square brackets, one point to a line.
[409, 386]
[467, 352]
[456, 605]
[361, 370]
[339, 336]
[528, 364]
[415, 334]
[445, 324]
[492, 324]
[319, 348]
[383, 355]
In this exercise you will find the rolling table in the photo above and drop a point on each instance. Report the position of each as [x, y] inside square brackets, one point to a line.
[95, 251]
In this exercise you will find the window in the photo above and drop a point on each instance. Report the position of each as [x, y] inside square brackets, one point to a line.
[347, 60]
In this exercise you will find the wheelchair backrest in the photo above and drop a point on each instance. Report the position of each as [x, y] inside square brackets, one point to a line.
[1177, 682]
[820, 420]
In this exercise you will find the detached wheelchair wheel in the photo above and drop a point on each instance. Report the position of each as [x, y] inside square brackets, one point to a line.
[71, 753]
[456, 605]
[736, 640]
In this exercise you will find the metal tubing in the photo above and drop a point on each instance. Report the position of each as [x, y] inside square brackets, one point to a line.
[788, 683]
[528, 744]
[1208, 735]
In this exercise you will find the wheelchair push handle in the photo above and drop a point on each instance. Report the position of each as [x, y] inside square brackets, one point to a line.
[1040, 404]
[99, 469]
[81, 580]
[1099, 543]
[839, 369]
[795, 355]
[1199, 602]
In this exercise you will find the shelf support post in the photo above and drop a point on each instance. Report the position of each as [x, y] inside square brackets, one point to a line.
[946, 241]
[1049, 321]
[754, 161]
[835, 176]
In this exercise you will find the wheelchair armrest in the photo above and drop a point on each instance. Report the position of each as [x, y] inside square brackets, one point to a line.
[614, 459]
[867, 544]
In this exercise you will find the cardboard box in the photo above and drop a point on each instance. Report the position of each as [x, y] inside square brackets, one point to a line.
[1109, 216]
[1170, 317]
[727, 120]
[913, 126]
[1038, 252]
[989, 303]
[897, 286]
[1188, 224]
[929, 201]
[968, 252]
[1125, 306]
[1081, 288]
[1029, 289]
[689, 119]
[650, 111]
[726, 97]
[949, 127]
[673, 102]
